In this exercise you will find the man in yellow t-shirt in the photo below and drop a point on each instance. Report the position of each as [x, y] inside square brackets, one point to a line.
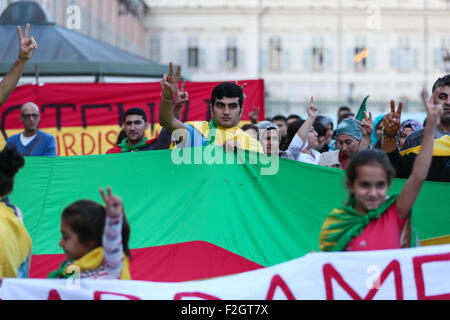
[226, 108]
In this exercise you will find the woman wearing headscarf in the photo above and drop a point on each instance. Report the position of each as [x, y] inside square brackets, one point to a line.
[376, 133]
[407, 127]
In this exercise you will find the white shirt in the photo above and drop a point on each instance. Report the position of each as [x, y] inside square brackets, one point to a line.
[295, 151]
[26, 140]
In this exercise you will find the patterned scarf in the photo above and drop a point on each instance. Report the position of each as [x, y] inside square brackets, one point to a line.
[344, 223]
[91, 261]
[127, 148]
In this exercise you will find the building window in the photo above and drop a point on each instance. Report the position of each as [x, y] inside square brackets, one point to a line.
[275, 53]
[155, 48]
[360, 54]
[193, 53]
[231, 53]
[442, 55]
[404, 58]
[318, 53]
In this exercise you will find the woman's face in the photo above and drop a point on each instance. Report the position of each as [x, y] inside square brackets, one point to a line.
[369, 188]
[313, 140]
[329, 135]
[405, 133]
[379, 129]
[252, 132]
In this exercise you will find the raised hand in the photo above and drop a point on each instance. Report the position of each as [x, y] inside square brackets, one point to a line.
[243, 87]
[26, 44]
[169, 83]
[367, 124]
[313, 110]
[434, 110]
[231, 145]
[182, 96]
[113, 204]
[392, 121]
[254, 115]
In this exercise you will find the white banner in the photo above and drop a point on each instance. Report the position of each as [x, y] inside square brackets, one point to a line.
[420, 273]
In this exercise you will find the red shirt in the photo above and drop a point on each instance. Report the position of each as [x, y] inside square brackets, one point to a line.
[380, 234]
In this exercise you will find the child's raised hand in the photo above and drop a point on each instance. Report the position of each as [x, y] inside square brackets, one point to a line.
[113, 204]
[313, 110]
[434, 110]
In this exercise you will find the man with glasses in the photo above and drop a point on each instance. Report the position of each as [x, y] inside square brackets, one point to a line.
[33, 142]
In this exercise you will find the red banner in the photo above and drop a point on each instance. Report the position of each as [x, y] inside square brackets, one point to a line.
[86, 118]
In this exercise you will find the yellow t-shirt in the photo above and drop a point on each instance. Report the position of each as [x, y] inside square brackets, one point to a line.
[246, 141]
[15, 243]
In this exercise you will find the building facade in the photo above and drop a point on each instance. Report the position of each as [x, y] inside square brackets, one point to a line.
[337, 51]
[117, 22]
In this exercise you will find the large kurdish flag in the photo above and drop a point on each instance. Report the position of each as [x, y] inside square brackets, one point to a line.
[197, 221]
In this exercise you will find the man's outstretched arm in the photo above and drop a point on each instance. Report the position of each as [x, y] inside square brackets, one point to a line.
[169, 89]
[26, 46]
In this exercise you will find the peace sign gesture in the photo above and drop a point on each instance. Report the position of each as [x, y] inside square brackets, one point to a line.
[182, 96]
[313, 110]
[113, 204]
[169, 83]
[254, 114]
[434, 110]
[366, 124]
[26, 44]
[392, 121]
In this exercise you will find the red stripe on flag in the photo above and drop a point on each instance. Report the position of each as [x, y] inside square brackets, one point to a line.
[171, 263]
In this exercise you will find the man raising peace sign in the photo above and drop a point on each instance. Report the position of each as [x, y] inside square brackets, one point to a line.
[226, 108]
[403, 161]
[26, 46]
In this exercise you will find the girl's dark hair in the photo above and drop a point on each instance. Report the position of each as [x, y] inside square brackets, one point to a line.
[10, 163]
[292, 130]
[369, 157]
[87, 220]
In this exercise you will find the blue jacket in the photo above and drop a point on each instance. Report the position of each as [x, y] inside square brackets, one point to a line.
[43, 145]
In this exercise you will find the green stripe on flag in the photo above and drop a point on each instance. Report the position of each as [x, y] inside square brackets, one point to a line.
[268, 219]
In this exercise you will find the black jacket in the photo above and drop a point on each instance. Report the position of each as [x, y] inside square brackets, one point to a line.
[440, 166]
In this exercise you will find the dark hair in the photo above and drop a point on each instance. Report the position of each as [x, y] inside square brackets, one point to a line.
[229, 90]
[369, 157]
[294, 116]
[135, 111]
[10, 163]
[345, 116]
[248, 126]
[344, 108]
[122, 135]
[325, 121]
[292, 130]
[87, 219]
[279, 118]
[320, 129]
[442, 82]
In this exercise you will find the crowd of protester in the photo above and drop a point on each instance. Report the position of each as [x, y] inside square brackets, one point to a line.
[95, 237]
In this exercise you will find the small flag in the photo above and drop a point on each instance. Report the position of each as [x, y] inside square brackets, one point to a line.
[360, 115]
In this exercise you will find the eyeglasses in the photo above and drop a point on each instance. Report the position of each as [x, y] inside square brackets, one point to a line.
[29, 116]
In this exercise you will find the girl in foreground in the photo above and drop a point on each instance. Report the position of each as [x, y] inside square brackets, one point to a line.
[371, 220]
[92, 238]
